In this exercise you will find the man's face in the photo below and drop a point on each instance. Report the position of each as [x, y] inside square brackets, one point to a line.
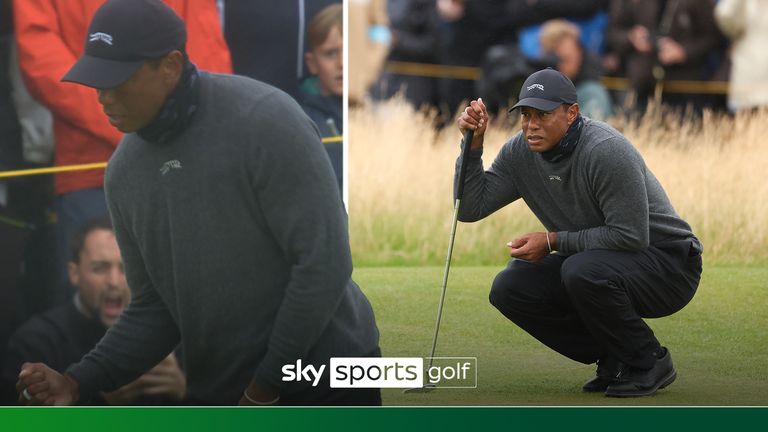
[99, 277]
[136, 102]
[544, 129]
[569, 57]
[326, 61]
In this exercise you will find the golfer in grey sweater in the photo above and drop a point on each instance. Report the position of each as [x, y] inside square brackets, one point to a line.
[231, 227]
[614, 250]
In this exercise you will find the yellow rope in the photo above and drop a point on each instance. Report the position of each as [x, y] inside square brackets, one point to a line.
[333, 139]
[611, 83]
[433, 70]
[52, 170]
[98, 165]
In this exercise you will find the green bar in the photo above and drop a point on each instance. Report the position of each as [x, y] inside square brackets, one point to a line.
[382, 419]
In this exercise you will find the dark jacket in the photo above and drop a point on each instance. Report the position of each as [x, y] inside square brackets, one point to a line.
[59, 337]
[692, 25]
[10, 133]
[464, 41]
[324, 110]
[263, 39]
[268, 284]
[321, 109]
[414, 28]
[522, 13]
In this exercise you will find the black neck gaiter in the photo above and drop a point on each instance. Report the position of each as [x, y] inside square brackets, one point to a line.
[178, 110]
[565, 147]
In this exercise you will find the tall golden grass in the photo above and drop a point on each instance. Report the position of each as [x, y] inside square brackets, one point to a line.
[715, 171]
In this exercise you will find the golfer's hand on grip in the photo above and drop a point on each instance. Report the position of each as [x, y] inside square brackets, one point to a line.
[474, 117]
[40, 385]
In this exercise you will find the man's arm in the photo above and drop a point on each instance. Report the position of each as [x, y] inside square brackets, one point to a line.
[707, 35]
[617, 33]
[32, 342]
[144, 334]
[484, 191]
[165, 380]
[40, 385]
[44, 58]
[616, 174]
[298, 195]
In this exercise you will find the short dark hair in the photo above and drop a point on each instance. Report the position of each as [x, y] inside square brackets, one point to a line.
[78, 241]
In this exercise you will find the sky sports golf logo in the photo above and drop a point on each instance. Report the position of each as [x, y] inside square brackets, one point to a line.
[388, 372]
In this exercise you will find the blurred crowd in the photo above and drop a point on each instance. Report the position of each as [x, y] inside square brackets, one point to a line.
[297, 46]
[646, 43]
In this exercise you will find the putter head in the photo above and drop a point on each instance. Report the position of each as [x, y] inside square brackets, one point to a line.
[426, 389]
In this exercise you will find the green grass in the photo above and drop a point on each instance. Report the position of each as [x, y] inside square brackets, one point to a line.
[718, 342]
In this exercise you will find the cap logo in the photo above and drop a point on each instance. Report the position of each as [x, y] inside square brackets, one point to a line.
[538, 86]
[99, 36]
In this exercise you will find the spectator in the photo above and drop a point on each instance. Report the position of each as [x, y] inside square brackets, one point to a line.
[472, 31]
[562, 38]
[62, 335]
[231, 226]
[10, 132]
[414, 39]
[28, 199]
[10, 155]
[266, 38]
[520, 13]
[50, 35]
[467, 29]
[369, 41]
[674, 37]
[745, 22]
[326, 61]
[590, 16]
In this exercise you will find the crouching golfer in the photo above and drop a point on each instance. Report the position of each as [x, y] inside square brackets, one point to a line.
[231, 228]
[621, 252]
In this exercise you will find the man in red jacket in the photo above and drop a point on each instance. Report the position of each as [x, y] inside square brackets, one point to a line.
[50, 35]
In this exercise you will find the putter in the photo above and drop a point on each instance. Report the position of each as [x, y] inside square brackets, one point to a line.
[457, 203]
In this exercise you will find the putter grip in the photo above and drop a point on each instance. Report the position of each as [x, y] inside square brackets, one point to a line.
[465, 147]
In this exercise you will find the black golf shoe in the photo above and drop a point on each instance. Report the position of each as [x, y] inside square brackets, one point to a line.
[608, 372]
[635, 382]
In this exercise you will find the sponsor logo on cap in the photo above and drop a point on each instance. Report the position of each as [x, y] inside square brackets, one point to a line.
[533, 86]
[99, 36]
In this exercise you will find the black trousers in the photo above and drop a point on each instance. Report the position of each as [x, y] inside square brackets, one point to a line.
[590, 305]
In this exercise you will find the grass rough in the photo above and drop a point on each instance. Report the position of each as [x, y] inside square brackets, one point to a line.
[401, 171]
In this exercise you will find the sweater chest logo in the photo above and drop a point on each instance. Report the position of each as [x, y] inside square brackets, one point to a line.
[171, 164]
[555, 178]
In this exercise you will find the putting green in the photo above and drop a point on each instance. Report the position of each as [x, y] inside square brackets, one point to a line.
[718, 342]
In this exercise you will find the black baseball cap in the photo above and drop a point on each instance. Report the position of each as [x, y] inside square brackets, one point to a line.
[121, 36]
[545, 90]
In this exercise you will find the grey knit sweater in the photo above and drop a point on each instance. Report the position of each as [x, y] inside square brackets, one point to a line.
[601, 197]
[235, 244]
